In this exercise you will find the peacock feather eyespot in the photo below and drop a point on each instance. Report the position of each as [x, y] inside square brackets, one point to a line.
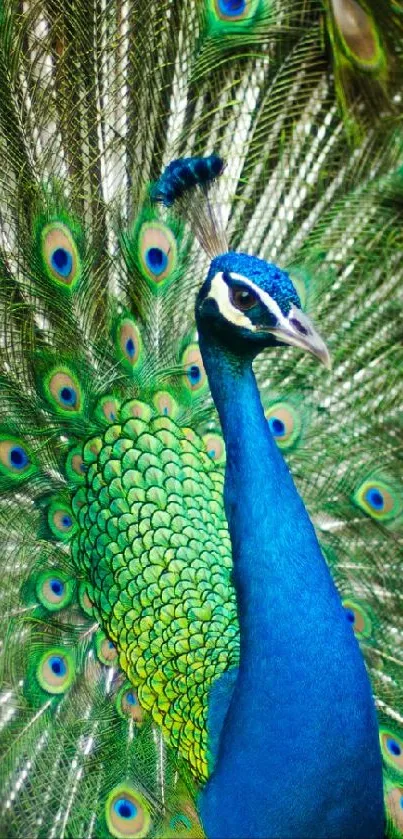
[394, 807]
[127, 813]
[128, 705]
[63, 391]
[61, 521]
[285, 424]
[277, 427]
[60, 255]
[392, 748]
[165, 404]
[195, 374]
[215, 447]
[359, 618]
[108, 410]
[15, 459]
[56, 670]
[157, 249]
[378, 499]
[357, 33]
[61, 261]
[105, 649]
[68, 396]
[18, 458]
[236, 11]
[231, 8]
[76, 468]
[156, 260]
[129, 343]
[54, 590]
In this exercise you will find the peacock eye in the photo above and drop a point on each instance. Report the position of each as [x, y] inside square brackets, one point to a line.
[242, 299]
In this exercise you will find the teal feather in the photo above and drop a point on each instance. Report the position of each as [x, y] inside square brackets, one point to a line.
[97, 289]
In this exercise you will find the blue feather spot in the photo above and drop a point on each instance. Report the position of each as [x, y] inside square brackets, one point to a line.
[62, 261]
[67, 521]
[374, 498]
[58, 665]
[130, 347]
[18, 457]
[232, 7]
[156, 260]
[350, 615]
[125, 808]
[393, 747]
[401, 802]
[277, 427]
[57, 587]
[194, 374]
[130, 698]
[68, 396]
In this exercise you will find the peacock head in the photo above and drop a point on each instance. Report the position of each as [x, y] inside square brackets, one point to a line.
[248, 304]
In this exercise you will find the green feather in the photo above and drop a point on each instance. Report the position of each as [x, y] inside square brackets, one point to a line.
[59, 254]
[363, 37]
[115, 555]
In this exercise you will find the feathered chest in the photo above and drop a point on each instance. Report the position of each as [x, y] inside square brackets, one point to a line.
[153, 542]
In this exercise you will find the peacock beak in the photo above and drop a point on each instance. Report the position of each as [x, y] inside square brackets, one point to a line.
[297, 330]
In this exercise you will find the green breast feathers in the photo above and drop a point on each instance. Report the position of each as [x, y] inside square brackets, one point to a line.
[153, 541]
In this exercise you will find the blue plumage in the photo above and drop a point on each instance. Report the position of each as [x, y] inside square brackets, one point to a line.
[62, 262]
[18, 457]
[122, 693]
[184, 174]
[232, 8]
[297, 750]
[268, 277]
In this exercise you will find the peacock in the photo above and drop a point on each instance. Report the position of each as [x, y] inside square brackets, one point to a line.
[200, 525]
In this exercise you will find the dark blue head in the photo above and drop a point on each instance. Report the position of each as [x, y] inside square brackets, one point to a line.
[248, 304]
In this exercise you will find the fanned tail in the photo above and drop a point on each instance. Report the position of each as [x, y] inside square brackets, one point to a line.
[104, 728]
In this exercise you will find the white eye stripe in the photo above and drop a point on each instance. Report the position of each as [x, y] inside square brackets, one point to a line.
[265, 298]
[219, 292]
[295, 329]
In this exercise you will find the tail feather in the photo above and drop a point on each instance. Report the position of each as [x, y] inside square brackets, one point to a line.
[99, 366]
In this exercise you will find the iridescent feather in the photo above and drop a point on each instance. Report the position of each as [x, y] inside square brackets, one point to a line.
[117, 606]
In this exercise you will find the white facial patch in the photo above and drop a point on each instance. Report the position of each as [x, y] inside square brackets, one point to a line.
[220, 292]
[294, 329]
[267, 301]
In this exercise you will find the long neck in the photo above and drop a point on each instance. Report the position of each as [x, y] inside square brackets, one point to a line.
[301, 715]
[275, 551]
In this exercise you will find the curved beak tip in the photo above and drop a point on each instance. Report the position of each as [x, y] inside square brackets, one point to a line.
[325, 358]
[298, 331]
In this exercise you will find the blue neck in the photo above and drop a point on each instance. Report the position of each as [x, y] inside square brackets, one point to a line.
[299, 754]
